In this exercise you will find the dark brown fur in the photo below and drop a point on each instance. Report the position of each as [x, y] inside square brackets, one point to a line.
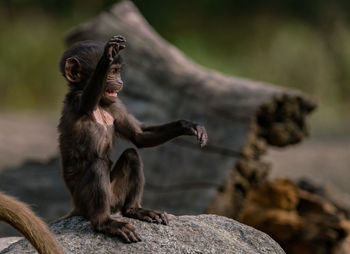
[90, 121]
[28, 224]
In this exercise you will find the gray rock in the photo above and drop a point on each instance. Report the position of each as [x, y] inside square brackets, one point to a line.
[7, 241]
[185, 234]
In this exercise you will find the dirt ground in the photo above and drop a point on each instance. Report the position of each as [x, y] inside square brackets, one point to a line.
[326, 161]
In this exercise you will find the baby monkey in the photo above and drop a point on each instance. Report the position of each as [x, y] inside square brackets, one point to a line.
[91, 118]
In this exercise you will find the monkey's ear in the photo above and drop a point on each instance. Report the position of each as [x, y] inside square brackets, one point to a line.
[72, 70]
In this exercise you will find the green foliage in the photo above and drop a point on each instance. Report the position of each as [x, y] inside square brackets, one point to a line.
[31, 44]
[29, 47]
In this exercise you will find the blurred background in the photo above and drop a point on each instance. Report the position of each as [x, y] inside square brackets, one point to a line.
[292, 43]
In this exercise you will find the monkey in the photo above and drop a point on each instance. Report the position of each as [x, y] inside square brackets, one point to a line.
[92, 117]
[19, 216]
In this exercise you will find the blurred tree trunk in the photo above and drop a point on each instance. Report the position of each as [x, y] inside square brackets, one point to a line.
[242, 118]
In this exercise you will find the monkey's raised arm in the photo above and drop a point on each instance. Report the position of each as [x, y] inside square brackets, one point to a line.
[147, 136]
[96, 85]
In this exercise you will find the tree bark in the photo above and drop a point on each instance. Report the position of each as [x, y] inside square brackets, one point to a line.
[242, 118]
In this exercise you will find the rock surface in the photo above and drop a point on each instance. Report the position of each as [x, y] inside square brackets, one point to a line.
[185, 234]
[7, 241]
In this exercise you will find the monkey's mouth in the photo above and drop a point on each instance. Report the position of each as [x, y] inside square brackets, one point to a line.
[110, 92]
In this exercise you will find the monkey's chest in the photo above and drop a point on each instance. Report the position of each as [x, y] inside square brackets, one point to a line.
[102, 117]
[101, 132]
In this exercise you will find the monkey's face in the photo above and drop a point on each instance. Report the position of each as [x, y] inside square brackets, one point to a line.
[114, 83]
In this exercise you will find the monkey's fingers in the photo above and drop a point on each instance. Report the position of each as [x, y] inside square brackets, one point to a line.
[194, 131]
[164, 218]
[204, 139]
[123, 235]
[111, 54]
[112, 49]
[202, 135]
[147, 218]
[118, 38]
[161, 217]
[122, 47]
[134, 236]
[157, 219]
[119, 42]
[128, 234]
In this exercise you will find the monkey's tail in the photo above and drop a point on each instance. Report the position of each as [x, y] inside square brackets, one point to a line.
[19, 216]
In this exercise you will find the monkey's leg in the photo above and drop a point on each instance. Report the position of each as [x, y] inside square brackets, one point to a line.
[127, 182]
[92, 200]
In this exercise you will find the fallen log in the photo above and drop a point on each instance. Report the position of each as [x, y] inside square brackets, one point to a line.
[242, 118]
[303, 219]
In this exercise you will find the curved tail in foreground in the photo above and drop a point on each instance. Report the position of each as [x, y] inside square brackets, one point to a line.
[19, 216]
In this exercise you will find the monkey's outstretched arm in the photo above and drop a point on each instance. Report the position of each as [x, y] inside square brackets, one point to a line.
[147, 136]
[156, 135]
[96, 86]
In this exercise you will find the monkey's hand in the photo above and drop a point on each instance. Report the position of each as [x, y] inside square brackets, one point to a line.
[193, 129]
[113, 46]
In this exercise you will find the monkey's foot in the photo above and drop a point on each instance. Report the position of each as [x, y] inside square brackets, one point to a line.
[151, 216]
[128, 233]
[125, 231]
